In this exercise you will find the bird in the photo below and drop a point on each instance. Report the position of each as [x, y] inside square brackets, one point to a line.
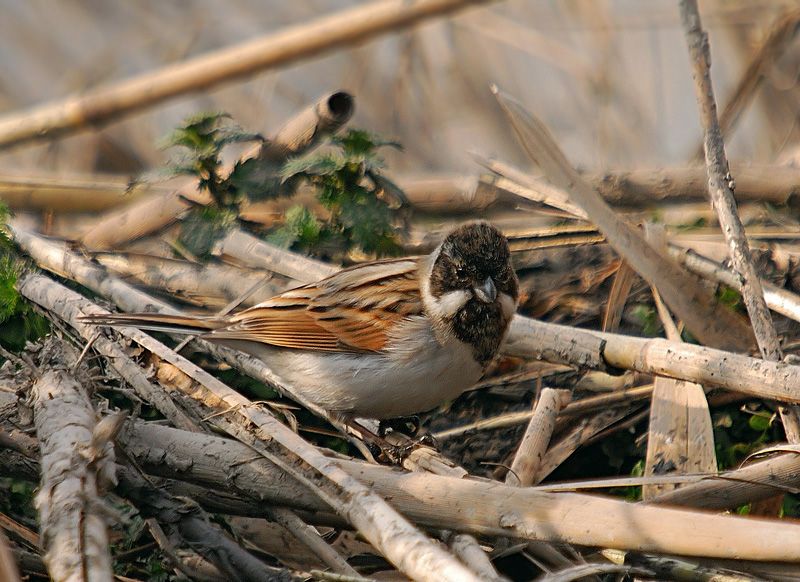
[383, 339]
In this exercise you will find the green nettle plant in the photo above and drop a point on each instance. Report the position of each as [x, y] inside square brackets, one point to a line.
[203, 138]
[19, 323]
[360, 204]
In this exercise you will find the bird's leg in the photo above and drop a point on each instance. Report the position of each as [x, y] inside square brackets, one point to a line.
[384, 450]
[408, 425]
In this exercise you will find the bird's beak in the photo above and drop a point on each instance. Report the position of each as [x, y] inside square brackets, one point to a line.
[486, 291]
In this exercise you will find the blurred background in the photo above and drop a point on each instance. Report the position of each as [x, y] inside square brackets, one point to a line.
[611, 78]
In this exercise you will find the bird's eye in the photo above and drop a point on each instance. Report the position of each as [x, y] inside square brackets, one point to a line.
[461, 271]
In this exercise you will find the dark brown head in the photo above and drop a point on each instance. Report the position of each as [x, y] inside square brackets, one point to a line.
[473, 289]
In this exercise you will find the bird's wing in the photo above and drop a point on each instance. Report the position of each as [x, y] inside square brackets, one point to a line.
[352, 310]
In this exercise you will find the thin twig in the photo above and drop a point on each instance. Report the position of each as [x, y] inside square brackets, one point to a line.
[720, 188]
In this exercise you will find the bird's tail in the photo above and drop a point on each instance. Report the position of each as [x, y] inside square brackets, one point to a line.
[157, 322]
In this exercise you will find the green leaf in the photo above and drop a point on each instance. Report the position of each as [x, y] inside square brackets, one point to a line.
[324, 165]
[760, 422]
[256, 179]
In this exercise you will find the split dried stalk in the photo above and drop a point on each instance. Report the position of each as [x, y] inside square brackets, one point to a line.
[286, 46]
[711, 322]
[680, 436]
[75, 470]
[473, 506]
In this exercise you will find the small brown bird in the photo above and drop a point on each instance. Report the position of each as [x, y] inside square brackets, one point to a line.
[378, 340]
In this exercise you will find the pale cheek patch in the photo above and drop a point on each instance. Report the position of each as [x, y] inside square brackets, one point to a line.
[508, 305]
[450, 303]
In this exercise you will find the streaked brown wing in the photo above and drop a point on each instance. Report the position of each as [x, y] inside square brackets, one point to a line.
[353, 310]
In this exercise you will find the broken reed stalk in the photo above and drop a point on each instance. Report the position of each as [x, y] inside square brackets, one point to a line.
[190, 523]
[252, 252]
[470, 552]
[473, 506]
[779, 300]
[393, 536]
[309, 537]
[711, 322]
[720, 183]
[720, 189]
[210, 284]
[76, 467]
[69, 193]
[533, 446]
[680, 435]
[300, 134]
[286, 46]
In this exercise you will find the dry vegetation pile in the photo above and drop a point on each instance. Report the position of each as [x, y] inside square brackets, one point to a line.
[641, 423]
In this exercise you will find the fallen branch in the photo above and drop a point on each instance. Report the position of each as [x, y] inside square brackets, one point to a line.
[533, 446]
[720, 189]
[473, 506]
[76, 467]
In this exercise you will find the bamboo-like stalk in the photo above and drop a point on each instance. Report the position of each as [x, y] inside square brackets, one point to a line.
[74, 473]
[533, 446]
[69, 193]
[288, 45]
[706, 366]
[391, 534]
[476, 506]
[779, 300]
[208, 284]
[720, 189]
[635, 188]
[712, 323]
[720, 184]
[252, 252]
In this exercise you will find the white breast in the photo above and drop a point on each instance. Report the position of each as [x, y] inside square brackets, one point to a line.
[417, 373]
